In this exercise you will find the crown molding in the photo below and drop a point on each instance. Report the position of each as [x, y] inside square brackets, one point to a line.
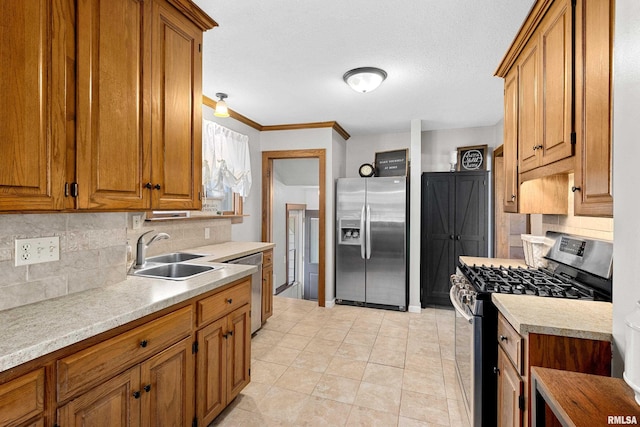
[247, 121]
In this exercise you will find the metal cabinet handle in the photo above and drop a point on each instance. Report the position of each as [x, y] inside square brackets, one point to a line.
[136, 395]
[496, 370]
[147, 388]
[458, 237]
[144, 343]
[574, 189]
[451, 236]
[513, 197]
[230, 300]
[148, 185]
[157, 186]
[503, 338]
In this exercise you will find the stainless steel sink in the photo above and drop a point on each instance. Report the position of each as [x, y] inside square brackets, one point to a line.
[173, 257]
[175, 271]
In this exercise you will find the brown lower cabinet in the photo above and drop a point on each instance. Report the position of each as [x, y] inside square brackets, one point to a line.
[518, 353]
[158, 391]
[150, 372]
[267, 285]
[223, 362]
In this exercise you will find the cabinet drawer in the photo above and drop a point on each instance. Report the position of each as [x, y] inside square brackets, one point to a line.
[511, 342]
[101, 361]
[218, 305]
[267, 257]
[22, 398]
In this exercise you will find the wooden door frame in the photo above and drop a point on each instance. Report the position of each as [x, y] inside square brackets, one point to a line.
[267, 202]
[289, 207]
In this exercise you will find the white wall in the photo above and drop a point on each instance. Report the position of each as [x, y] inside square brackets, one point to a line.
[363, 149]
[626, 128]
[437, 144]
[282, 195]
[250, 230]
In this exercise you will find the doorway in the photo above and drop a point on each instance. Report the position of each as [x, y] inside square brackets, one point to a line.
[268, 190]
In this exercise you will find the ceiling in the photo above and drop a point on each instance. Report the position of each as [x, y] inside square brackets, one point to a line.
[281, 62]
[297, 172]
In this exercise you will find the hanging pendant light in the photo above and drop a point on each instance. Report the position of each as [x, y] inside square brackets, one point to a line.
[364, 79]
[221, 106]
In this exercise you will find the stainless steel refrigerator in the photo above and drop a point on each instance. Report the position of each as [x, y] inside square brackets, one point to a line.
[371, 242]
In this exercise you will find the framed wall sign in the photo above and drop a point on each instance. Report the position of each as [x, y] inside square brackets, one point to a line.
[391, 163]
[473, 158]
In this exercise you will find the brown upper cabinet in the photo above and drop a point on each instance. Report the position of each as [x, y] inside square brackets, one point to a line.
[32, 144]
[553, 125]
[593, 187]
[104, 132]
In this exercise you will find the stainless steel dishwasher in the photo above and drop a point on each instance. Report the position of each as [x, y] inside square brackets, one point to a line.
[256, 288]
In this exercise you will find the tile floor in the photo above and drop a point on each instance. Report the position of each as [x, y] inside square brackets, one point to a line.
[350, 366]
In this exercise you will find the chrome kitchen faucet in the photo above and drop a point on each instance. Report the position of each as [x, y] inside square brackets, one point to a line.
[141, 247]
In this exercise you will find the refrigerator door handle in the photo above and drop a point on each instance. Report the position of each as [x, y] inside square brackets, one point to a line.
[368, 232]
[362, 237]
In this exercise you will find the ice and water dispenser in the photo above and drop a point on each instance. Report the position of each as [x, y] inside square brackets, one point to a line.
[350, 233]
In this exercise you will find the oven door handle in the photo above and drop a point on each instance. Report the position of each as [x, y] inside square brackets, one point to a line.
[458, 307]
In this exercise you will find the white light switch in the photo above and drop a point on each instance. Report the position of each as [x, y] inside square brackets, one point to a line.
[37, 250]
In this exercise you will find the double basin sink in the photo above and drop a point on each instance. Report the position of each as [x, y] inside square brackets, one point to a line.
[171, 266]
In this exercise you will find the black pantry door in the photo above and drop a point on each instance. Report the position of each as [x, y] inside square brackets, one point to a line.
[454, 223]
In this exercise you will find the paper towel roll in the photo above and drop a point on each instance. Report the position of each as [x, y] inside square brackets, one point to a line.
[631, 373]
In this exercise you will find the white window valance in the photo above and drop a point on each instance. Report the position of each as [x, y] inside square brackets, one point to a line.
[225, 160]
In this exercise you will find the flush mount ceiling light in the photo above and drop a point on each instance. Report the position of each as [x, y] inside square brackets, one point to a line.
[364, 79]
[221, 106]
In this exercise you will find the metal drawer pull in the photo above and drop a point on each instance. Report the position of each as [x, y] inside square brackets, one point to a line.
[503, 338]
[229, 300]
[144, 343]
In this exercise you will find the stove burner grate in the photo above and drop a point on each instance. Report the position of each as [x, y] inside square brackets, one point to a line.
[523, 281]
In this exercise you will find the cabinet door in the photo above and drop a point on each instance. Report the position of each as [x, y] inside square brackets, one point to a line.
[211, 371]
[510, 389]
[557, 71]
[238, 351]
[594, 149]
[111, 404]
[529, 141]
[438, 262]
[112, 127]
[471, 223]
[32, 139]
[22, 398]
[166, 381]
[510, 198]
[267, 293]
[176, 110]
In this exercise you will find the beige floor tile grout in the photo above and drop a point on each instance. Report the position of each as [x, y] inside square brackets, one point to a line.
[350, 366]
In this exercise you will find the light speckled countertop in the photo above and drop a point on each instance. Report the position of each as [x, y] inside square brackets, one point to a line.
[557, 316]
[34, 330]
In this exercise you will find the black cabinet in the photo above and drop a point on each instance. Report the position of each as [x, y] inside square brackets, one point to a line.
[454, 223]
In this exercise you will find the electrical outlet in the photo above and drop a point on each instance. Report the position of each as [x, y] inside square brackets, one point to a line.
[137, 222]
[207, 233]
[37, 250]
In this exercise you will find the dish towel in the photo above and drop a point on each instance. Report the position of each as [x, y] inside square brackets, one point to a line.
[225, 160]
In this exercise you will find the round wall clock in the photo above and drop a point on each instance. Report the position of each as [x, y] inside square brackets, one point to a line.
[366, 170]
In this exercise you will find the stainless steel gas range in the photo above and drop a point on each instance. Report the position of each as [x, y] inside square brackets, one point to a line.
[578, 268]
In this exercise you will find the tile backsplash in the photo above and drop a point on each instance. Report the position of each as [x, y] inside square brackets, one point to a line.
[93, 251]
